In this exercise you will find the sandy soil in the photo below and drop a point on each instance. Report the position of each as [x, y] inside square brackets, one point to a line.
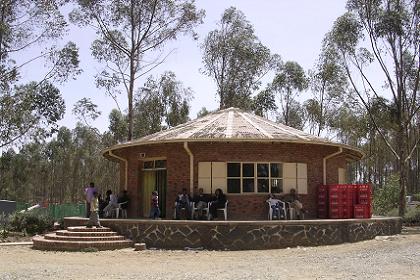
[396, 257]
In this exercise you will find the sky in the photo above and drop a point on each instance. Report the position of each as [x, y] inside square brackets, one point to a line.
[294, 29]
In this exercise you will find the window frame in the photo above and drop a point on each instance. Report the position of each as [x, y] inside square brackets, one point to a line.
[241, 177]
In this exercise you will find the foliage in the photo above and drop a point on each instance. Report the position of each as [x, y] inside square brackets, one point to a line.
[289, 81]
[235, 59]
[384, 33]
[57, 171]
[85, 110]
[161, 104]
[4, 226]
[386, 197]
[31, 223]
[128, 32]
[412, 216]
[31, 111]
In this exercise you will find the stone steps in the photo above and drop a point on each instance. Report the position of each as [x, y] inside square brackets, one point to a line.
[85, 233]
[79, 238]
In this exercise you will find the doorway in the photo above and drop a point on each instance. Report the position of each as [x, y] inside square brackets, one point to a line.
[154, 179]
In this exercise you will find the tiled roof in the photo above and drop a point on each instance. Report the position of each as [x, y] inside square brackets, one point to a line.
[231, 124]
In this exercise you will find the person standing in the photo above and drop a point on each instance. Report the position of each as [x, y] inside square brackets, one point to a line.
[89, 196]
[154, 209]
[94, 209]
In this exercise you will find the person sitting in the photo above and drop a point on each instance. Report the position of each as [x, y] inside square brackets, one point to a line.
[218, 202]
[183, 202]
[276, 205]
[201, 201]
[113, 203]
[293, 198]
[123, 198]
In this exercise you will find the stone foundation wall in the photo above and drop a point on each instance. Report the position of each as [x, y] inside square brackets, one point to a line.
[248, 235]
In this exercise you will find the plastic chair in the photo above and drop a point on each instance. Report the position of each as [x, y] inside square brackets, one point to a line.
[292, 212]
[220, 209]
[123, 210]
[194, 209]
[282, 211]
[183, 208]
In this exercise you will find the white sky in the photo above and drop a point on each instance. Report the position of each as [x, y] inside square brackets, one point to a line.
[294, 29]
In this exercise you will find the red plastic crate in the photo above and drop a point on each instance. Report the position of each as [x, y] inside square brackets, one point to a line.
[361, 211]
[336, 212]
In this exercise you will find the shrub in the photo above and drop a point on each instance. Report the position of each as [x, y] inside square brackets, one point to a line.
[31, 223]
[412, 216]
[416, 196]
[4, 226]
[387, 197]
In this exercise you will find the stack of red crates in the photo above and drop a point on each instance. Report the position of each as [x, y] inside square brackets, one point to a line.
[341, 199]
[323, 202]
[363, 208]
[344, 201]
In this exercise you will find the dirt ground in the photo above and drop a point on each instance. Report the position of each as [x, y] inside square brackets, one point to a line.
[395, 257]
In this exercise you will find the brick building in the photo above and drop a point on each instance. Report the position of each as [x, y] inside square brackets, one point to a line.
[245, 155]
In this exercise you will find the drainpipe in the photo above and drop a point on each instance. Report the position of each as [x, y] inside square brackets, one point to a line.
[125, 167]
[324, 163]
[187, 149]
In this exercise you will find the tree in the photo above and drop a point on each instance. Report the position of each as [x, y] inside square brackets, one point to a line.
[29, 110]
[235, 59]
[128, 32]
[85, 110]
[328, 83]
[161, 104]
[288, 82]
[385, 33]
[264, 102]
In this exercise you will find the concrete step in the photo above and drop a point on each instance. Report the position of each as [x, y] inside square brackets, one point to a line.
[86, 229]
[85, 233]
[41, 243]
[53, 236]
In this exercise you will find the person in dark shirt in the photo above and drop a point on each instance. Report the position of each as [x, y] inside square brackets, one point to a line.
[122, 198]
[201, 201]
[154, 206]
[218, 202]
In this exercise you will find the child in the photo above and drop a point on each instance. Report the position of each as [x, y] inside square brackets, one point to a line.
[94, 209]
[154, 210]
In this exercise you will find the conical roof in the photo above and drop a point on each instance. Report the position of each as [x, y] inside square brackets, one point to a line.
[232, 125]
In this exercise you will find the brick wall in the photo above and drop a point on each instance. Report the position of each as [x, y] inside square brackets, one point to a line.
[240, 206]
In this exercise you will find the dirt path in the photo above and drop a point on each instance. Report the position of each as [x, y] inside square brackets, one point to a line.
[384, 258]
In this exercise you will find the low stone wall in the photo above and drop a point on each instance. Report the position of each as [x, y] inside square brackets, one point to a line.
[247, 235]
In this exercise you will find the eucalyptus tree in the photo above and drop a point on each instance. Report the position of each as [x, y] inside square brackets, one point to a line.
[33, 27]
[289, 81]
[328, 84]
[264, 102]
[385, 34]
[235, 59]
[161, 103]
[131, 35]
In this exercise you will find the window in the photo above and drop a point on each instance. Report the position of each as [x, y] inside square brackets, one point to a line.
[154, 164]
[254, 177]
[234, 177]
[276, 177]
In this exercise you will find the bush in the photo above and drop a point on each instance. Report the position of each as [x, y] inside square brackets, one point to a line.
[412, 216]
[4, 226]
[416, 196]
[31, 223]
[387, 197]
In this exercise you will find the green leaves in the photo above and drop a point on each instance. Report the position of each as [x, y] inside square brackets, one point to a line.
[235, 59]
[29, 111]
